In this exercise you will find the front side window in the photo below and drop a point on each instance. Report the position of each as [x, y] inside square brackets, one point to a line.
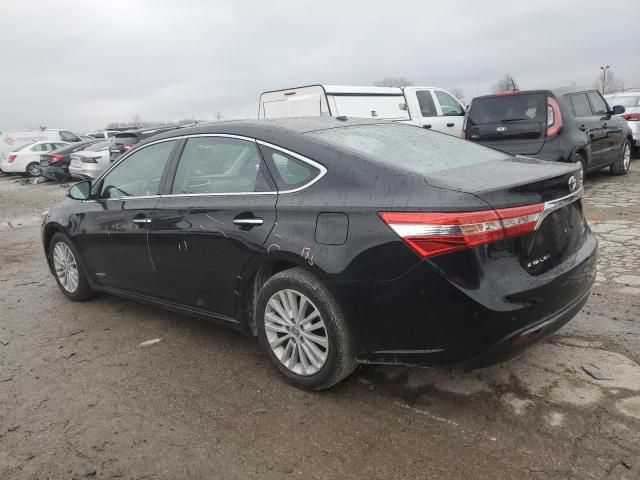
[139, 174]
[598, 105]
[448, 104]
[220, 165]
[288, 172]
[580, 105]
[68, 136]
[427, 105]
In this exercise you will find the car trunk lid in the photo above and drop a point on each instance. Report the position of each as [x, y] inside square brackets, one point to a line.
[521, 181]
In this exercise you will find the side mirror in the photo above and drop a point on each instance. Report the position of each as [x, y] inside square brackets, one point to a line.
[618, 109]
[80, 191]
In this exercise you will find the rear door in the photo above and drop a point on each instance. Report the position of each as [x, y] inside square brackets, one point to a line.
[218, 211]
[590, 124]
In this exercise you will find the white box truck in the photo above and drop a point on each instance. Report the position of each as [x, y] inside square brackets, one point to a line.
[428, 107]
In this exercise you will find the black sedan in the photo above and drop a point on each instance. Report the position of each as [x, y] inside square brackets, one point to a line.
[335, 241]
[55, 165]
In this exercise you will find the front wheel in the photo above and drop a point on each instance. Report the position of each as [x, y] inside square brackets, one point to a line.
[67, 269]
[302, 329]
[622, 164]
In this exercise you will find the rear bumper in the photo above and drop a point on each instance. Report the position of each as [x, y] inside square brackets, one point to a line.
[55, 173]
[484, 314]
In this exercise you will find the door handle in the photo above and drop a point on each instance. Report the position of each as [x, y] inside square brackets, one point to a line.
[244, 222]
[426, 126]
[450, 124]
[141, 221]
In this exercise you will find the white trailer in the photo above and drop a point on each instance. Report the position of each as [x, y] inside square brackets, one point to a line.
[429, 107]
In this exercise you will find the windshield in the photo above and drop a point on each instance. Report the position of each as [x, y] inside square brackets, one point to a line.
[509, 108]
[626, 101]
[411, 147]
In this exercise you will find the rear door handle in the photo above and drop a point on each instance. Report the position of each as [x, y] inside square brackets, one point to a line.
[248, 222]
[451, 124]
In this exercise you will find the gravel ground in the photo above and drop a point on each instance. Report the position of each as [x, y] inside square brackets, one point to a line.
[80, 399]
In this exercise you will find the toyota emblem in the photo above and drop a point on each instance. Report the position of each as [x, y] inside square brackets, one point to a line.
[572, 183]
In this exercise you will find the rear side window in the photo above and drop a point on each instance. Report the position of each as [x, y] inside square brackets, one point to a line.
[41, 147]
[288, 172]
[509, 108]
[427, 105]
[448, 104]
[598, 105]
[580, 105]
[409, 147]
[220, 165]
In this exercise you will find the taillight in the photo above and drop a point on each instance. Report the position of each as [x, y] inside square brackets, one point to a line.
[89, 159]
[464, 123]
[554, 117]
[12, 157]
[631, 117]
[429, 233]
[56, 157]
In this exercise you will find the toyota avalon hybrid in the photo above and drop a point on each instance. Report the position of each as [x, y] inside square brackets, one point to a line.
[335, 241]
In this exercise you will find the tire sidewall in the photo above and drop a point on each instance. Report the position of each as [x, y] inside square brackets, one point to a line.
[28, 170]
[83, 289]
[330, 373]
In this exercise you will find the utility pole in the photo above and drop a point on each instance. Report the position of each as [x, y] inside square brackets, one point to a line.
[604, 76]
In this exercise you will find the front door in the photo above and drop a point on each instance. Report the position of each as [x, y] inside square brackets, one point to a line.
[600, 145]
[117, 220]
[219, 212]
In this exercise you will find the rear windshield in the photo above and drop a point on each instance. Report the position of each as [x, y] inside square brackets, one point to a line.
[98, 146]
[411, 147]
[630, 101]
[509, 108]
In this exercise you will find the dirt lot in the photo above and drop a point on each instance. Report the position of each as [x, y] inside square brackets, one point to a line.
[80, 399]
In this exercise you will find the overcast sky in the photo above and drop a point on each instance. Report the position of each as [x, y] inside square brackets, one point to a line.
[82, 64]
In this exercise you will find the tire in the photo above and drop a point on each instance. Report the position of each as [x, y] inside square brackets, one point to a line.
[61, 248]
[33, 170]
[324, 367]
[578, 157]
[622, 164]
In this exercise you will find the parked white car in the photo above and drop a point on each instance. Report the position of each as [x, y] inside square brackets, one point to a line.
[26, 158]
[10, 141]
[90, 162]
[428, 107]
[631, 103]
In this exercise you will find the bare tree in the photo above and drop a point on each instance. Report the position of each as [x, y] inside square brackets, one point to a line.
[136, 119]
[393, 82]
[219, 116]
[607, 82]
[458, 93]
[505, 84]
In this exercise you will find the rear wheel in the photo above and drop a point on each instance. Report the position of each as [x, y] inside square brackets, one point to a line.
[302, 329]
[622, 164]
[67, 270]
[33, 169]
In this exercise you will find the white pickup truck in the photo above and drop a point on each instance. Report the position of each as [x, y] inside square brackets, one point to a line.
[429, 107]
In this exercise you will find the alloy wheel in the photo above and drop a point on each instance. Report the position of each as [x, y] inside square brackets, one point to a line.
[296, 332]
[66, 267]
[34, 170]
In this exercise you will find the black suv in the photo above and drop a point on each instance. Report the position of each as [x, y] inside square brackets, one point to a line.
[567, 125]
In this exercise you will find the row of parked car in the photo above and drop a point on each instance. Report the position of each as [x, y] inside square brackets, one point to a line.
[568, 124]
